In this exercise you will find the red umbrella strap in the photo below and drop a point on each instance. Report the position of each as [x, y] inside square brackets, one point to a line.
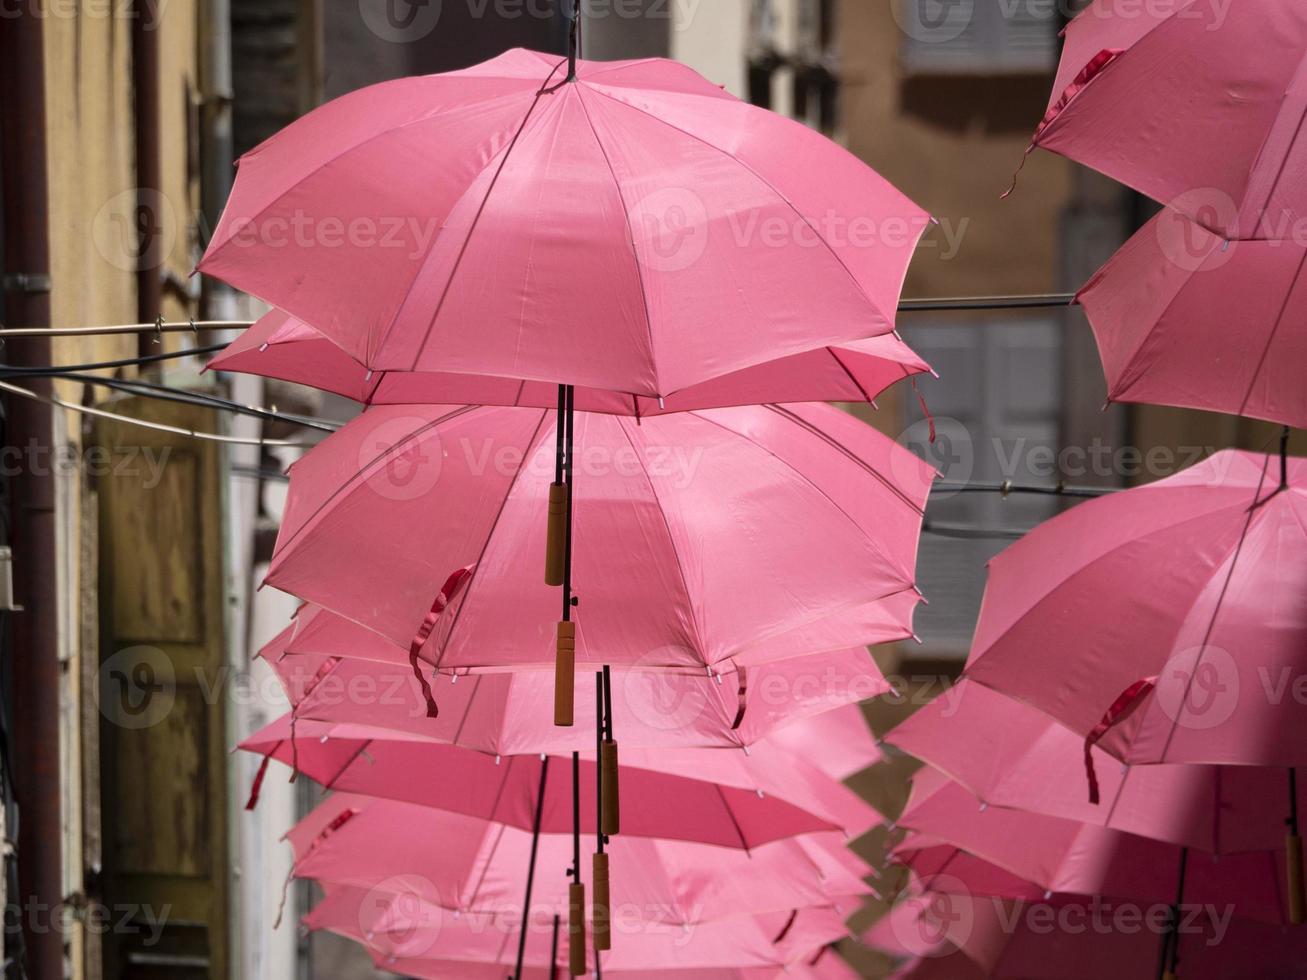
[1122, 706]
[743, 697]
[1087, 74]
[257, 787]
[438, 607]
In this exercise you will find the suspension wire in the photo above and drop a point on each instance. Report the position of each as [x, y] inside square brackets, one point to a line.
[11, 370]
[1008, 487]
[147, 389]
[961, 304]
[147, 424]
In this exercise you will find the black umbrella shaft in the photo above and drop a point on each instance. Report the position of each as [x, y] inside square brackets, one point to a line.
[531, 870]
[574, 41]
[599, 769]
[608, 703]
[553, 953]
[576, 815]
[566, 422]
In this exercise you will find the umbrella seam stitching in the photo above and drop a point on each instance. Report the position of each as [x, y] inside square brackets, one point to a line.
[770, 186]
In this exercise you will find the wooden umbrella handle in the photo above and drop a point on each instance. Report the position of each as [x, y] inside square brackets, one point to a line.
[611, 811]
[1297, 894]
[601, 919]
[565, 675]
[576, 928]
[556, 533]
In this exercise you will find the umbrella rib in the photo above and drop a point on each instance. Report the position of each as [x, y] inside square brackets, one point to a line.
[630, 236]
[425, 117]
[1216, 611]
[485, 545]
[350, 483]
[730, 812]
[1062, 582]
[699, 637]
[467, 239]
[1275, 329]
[770, 186]
[875, 544]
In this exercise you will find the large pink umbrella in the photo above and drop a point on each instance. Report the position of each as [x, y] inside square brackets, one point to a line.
[1185, 317]
[1171, 607]
[336, 670]
[414, 938]
[632, 228]
[282, 347]
[1198, 105]
[708, 796]
[480, 867]
[1066, 857]
[1009, 755]
[695, 535]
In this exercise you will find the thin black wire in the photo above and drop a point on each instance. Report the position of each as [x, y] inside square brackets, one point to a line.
[147, 389]
[14, 371]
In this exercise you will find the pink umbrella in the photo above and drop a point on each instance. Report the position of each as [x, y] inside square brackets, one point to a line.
[684, 563]
[336, 670]
[1009, 755]
[1205, 566]
[1063, 856]
[480, 867]
[279, 346]
[722, 798]
[1185, 317]
[631, 228]
[411, 937]
[1198, 105]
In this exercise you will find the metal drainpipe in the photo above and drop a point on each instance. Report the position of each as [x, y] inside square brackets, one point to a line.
[30, 427]
[145, 107]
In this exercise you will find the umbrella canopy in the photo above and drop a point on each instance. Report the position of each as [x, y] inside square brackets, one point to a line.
[636, 229]
[1161, 622]
[839, 742]
[1185, 317]
[1070, 939]
[1009, 755]
[694, 534]
[1197, 105]
[1066, 857]
[282, 347]
[480, 867]
[335, 670]
[730, 800]
[417, 939]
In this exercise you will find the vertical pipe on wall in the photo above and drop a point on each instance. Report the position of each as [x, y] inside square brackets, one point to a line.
[29, 425]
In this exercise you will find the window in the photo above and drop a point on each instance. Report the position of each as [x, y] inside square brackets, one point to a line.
[974, 37]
